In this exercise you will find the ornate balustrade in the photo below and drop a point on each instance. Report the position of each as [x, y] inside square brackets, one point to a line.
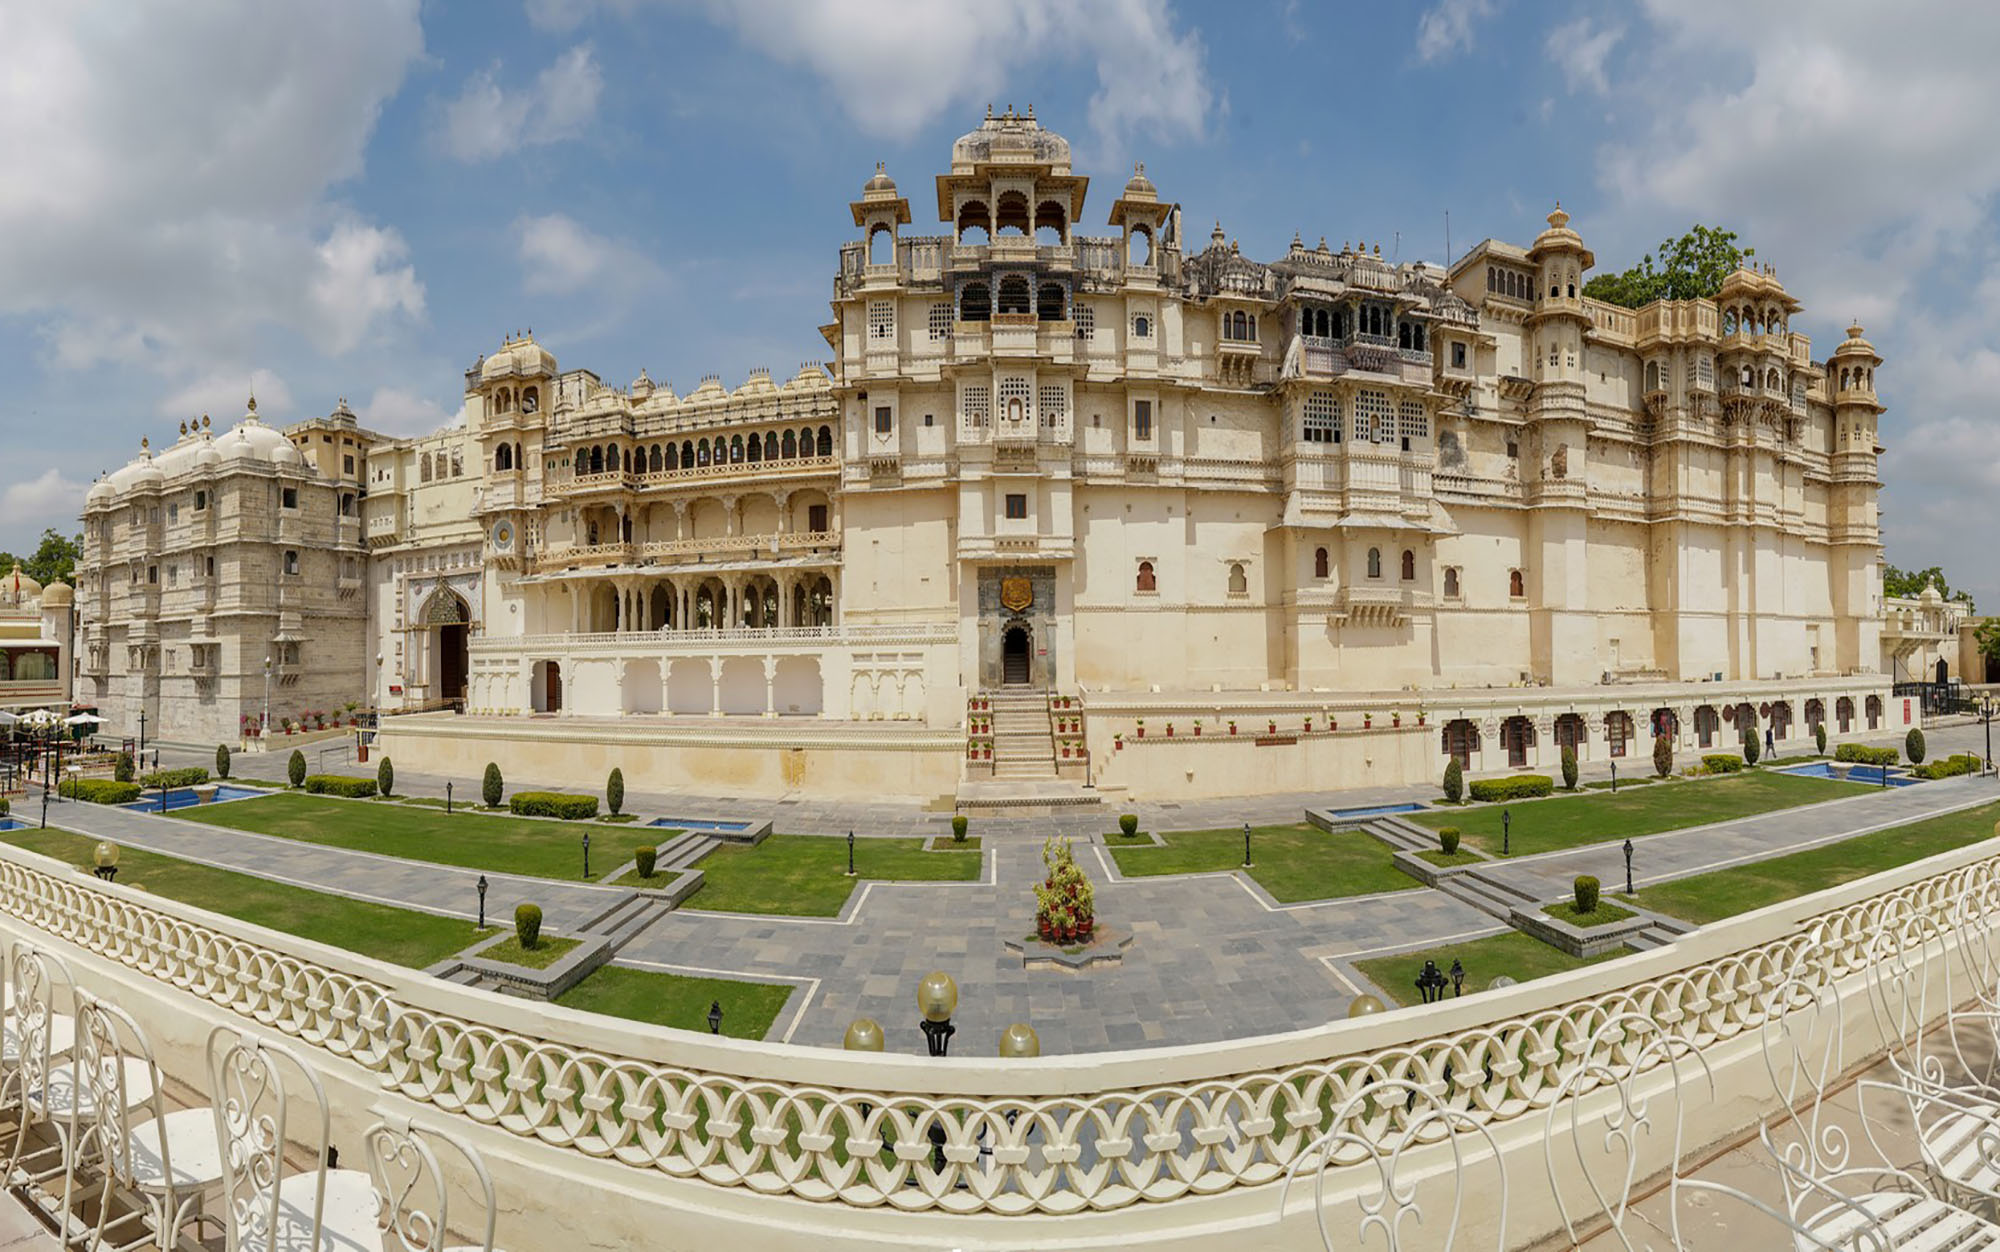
[746, 638]
[1050, 1136]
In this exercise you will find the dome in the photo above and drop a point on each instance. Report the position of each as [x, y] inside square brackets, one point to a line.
[287, 453]
[520, 355]
[881, 182]
[147, 474]
[17, 587]
[58, 595]
[206, 457]
[1011, 137]
[1854, 344]
[1141, 187]
[100, 493]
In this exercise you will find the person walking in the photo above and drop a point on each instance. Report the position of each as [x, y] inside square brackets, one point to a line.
[1770, 748]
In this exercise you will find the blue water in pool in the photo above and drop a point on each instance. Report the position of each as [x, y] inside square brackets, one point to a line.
[8, 823]
[1852, 773]
[184, 797]
[1379, 809]
[698, 823]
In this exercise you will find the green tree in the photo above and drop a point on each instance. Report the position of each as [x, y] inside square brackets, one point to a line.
[490, 786]
[1910, 583]
[1913, 746]
[1569, 769]
[222, 760]
[1751, 751]
[54, 561]
[295, 768]
[1819, 737]
[1691, 267]
[1663, 755]
[1454, 781]
[1987, 636]
[385, 776]
[614, 791]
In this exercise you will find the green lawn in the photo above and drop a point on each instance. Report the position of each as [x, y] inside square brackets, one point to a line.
[1727, 892]
[806, 875]
[403, 936]
[1293, 863]
[644, 995]
[1603, 915]
[1440, 858]
[546, 952]
[1572, 821]
[511, 845]
[1513, 954]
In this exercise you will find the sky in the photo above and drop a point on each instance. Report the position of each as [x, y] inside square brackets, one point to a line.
[358, 199]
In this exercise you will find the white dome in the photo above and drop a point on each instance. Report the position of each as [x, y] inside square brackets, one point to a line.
[101, 493]
[147, 474]
[206, 457]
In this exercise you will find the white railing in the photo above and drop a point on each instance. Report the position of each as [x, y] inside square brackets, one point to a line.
[750, 636]
[1057, 1135]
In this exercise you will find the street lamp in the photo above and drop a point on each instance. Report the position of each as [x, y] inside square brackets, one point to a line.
[1506, 832]
[482, 902]
[1614, 777]
[264, 727]
[864, 1034]
[1628, 868]
[715, 1017]
[937, 996]
[1986, 716]
[141, 755]
[447, 796]
[850, 854]
[1457, 977]
[1364, 1006]
[1430, 983]
[1246, 845]
[586, 856]
[1020, 1040]
[106, 857]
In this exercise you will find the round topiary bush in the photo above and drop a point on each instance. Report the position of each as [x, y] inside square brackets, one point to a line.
[646, 859]
[1569, 769]
[1448, 838]
[958, 825]
[1128, 824]
[122, 769]
[295, 769]
[1913, 746]
[222, 760]
[1454, 781]
[614, 791]
[1586, 894]
[490, 787]
[528, 924]
[385, 776]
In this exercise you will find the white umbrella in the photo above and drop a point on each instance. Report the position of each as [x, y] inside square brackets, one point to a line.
[83, 719]
[8, 719]
[40, 717]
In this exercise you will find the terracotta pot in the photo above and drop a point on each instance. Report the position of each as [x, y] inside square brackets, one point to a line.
[1084, 927]
[1170, 730]
[1396, 720]
[1046, 930]
[1142, 732]
[1309, 725]
[1197, 730]
[1232, 728]
[1274, 728]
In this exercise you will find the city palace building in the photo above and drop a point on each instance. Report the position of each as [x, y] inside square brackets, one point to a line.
[1063, 512]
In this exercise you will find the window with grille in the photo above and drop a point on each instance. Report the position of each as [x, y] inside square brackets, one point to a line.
[1015, 397]
[881, 319]
[1085, 318]
[1055, 406]
[1142, 419]
[1017, 506]
[1374, 418]
[1416, 422]
[1705, 371]
[1322, 418]
[977, 401]
[941, 321]
[883, 421]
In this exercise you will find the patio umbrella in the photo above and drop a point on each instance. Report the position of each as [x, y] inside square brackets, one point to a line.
[40, 718]
[83, 719]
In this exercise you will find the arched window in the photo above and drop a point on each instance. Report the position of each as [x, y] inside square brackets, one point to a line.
[973, 221]
[1409, 566]
[1013, 295]
[1141, 250]
[1374, 562]
[701, 452]
[656, 460]
[611, 458]
[1239, 582]
[736, 450]
[1051, 223]
[1320, 563]
[519, 464]
[503, 458]
[590, 534]
[825, 441]
[1491, 284]
[975, 303]
[597, 460]
[881, 246]
[673, 456]
[1652, 375]
[790, 446]
[687, 454]
[1451, 582]
[1322, 326]
[1049, 302]
[1517, 587]
[770, 445]
[1142, 327]
[1012, 217]
[1146, 581]
[755, 449]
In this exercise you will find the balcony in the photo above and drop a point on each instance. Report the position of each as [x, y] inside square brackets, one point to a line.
[763, 471]
[1017, 547]
[585, 484]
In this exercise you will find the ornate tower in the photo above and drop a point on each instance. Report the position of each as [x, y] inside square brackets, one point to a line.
[1562, 631]
[1854, 532]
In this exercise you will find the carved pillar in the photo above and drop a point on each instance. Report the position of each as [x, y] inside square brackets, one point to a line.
[681, 519]
[770, 686]
[618, 683]
[784, 500]
[730, 517]
[715, 686]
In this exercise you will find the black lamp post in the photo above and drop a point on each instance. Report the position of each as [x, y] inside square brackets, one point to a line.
[1430, 983]
[586, 855]
[1614, 777]
[1246, 845]
[1457, 977]
[1506, 832]
[1986, 711]
[140, 756]
[482, 902]
[850, 854]
[1628, 868]
[715, 1017]
[447, 796]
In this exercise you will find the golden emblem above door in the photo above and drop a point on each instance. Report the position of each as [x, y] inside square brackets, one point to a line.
[1016, 594]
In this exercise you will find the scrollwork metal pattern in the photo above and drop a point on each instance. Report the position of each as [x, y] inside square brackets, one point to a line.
[1053, 1154]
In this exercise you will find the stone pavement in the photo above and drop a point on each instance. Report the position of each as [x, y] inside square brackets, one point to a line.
[21, 1232]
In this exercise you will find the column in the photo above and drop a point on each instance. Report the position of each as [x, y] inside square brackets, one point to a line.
[770, 686]
[784, 500]
[715, 686]
[575, 608]
[784, 602]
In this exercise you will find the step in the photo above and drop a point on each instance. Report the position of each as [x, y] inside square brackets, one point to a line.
[1400, 834]
[1485, 894]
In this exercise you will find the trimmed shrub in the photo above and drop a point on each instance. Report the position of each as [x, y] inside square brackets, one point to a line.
[3, 806]
[959, 823]
[171, 778]
[1663, 755]
[98, 790]
[385, 777]
[528, 924]
[1913, 746]
[340, 785]
[1569, 769]
[1448, 838]
[121, 771]
[1587, 892]
[553, 804]
[1819, 737]
[222, 760]
[1721, 763]
[490, 786]
[646, 859]
[1949, 767]
[295, 769]
[1861, 754]
[1519, 787]
[1454, 781]
[1128, 824]
[614, 791]
[1751, 750]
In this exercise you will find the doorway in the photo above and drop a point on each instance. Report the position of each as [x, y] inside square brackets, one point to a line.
[552, 686]
[1014, 656]
[451, 643]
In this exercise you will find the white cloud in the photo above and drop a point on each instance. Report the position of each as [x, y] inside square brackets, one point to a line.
[1446, 28]
[47, 500]
[169, 171]
[394, 411]
[1580, 48]
[487, 120]
[561, 256]
[224, 394]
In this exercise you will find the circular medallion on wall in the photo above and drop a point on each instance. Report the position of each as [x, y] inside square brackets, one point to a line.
[503, 536]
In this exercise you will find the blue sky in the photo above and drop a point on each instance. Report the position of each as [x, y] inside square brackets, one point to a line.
[357, 200]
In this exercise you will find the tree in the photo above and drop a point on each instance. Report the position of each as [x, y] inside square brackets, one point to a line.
[1663, 755]
[385, 776]
[295, 769]
[1750, 748]
[1909, 584]
[614, 791]
[1569, 769]
[489, 786]
[222, 760]
[1454, 781]
[1691, 267]
[1987, 636]
[54, 561]
[1913, 746]
[1819, 737]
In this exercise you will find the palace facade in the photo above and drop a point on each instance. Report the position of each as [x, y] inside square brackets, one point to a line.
[1127, 509]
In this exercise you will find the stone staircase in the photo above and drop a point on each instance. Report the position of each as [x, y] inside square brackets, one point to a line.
[1488, 895]
[1024, 744]
[1661, 932]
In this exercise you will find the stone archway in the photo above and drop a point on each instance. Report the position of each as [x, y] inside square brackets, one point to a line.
[1016, 655]
[447, 614]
